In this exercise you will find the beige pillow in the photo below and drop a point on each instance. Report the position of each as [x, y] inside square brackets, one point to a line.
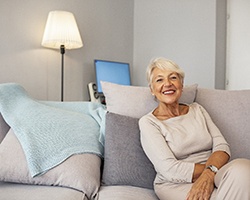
[135, 101]
[229, 109]
[81, 172]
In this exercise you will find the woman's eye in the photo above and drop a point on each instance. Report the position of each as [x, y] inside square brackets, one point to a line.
[173, 77]
[158, 80]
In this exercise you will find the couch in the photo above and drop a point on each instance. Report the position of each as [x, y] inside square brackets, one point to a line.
[124, 173]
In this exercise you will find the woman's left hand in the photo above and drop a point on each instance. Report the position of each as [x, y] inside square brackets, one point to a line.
[203, 187]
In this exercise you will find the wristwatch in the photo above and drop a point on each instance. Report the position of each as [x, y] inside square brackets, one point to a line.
[212, 168]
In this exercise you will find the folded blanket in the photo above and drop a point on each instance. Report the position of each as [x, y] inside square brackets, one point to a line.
[51, 132]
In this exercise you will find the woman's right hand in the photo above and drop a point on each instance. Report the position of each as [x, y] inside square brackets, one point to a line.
[203, 187]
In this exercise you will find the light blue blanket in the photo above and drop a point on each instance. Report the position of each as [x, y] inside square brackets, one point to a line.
[51, 132]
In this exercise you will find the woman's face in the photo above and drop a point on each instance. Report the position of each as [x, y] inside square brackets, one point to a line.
[166, 86]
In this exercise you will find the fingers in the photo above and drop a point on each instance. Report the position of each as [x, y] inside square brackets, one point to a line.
[200, 191]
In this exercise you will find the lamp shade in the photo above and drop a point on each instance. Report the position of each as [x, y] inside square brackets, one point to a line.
[61, 29]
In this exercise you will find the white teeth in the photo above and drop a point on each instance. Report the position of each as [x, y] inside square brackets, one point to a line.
[168, 92]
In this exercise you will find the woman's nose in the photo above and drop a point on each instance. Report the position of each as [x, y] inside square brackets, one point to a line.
[167, 82]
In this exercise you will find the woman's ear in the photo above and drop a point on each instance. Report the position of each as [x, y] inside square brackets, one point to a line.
[151, 90]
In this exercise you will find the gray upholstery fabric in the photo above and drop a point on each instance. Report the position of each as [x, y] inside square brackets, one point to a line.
[126, 193]
[230, 111]
[125, 162]
[12, 191]
[4, 127]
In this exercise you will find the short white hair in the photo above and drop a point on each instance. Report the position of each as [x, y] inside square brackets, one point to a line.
[164, 64]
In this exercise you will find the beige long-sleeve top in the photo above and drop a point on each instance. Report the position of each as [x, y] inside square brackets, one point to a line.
[176, 144]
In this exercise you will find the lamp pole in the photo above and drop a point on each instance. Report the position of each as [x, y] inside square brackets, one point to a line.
[62, 50]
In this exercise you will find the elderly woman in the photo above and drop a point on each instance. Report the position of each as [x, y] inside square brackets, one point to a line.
[188, 151]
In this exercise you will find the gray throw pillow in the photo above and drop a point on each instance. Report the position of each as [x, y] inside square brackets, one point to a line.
[125, 162]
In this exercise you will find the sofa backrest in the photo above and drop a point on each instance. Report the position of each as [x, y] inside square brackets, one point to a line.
[136, 101]
[230, 111]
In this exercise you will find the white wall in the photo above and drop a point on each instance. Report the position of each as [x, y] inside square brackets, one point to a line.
[131, 31]
[183, 31]
[238, 46]
[106, 28]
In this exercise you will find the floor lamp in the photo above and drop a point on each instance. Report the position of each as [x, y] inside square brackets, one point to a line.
[61, 32]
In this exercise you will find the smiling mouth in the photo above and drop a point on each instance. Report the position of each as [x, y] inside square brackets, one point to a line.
[169, 92]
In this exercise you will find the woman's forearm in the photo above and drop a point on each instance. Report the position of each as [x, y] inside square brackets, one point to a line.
[218, 159]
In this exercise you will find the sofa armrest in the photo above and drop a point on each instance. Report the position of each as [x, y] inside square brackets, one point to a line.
[4, 128]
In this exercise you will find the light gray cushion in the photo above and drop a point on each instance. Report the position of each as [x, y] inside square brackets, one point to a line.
[12, 191]
[135, 101]
[126, 193]
[230, 111]
[81, 172]
[4, 127]
[125, 162]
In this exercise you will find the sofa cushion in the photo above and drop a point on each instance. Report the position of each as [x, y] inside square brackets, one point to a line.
[12, 191]
[230, 111]
[125, 162]
[126, 193]
[135, 101]
[81, 172]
